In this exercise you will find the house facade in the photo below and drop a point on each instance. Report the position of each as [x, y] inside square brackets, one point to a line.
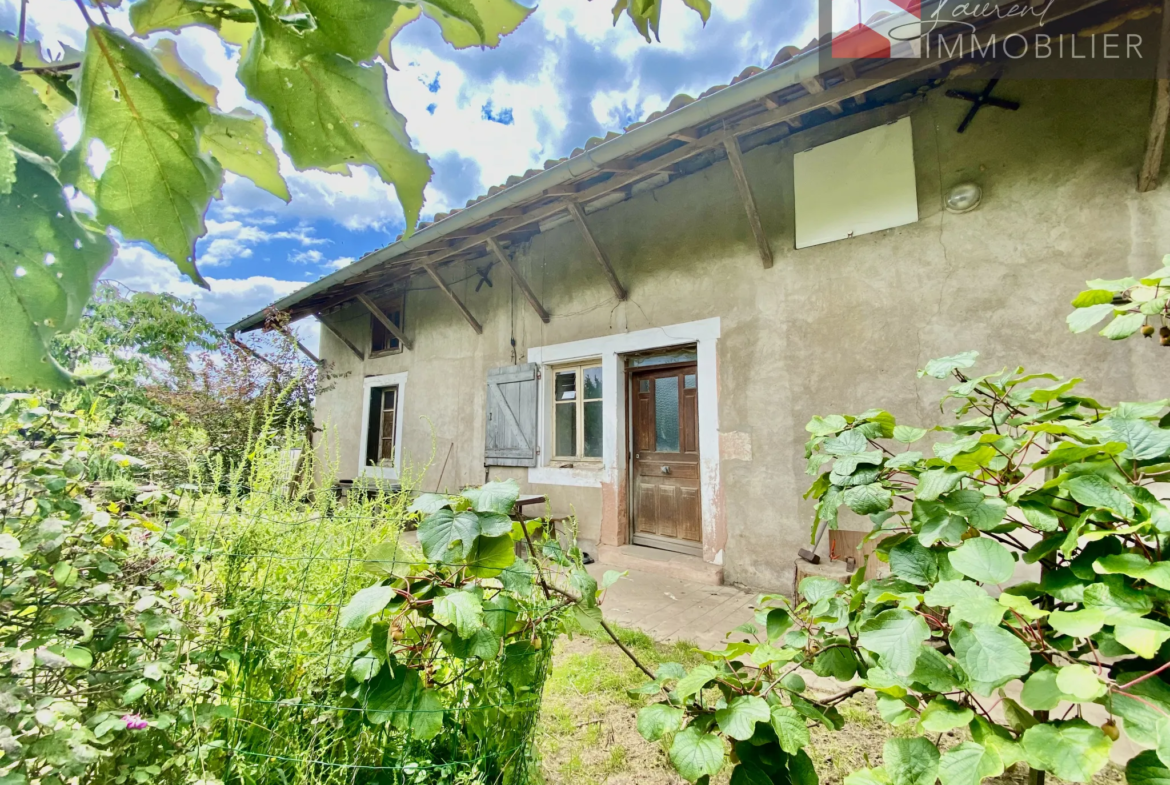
[648, 359]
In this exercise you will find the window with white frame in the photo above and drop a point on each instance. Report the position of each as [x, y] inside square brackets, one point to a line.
[381, 426]
[576, 412]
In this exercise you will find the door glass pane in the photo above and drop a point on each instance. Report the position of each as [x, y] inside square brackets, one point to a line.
[592, 381]
[593, 429]
[643, 385]
[566, 430]
[689, 381]
[566, 386]
[666, 414]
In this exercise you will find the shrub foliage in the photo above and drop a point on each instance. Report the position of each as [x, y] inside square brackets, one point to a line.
[1025, 550]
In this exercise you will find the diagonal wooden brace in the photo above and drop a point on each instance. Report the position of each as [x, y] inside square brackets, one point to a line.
[579, 216]
[385, 320]
[735, 157]
[519, 279]
[431, 271]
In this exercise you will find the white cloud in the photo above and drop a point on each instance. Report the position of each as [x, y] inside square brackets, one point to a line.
[229, 300]
[339, 262]
[232, 239]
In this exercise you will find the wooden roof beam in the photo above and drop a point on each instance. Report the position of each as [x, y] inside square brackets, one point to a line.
[332, 328]
[529, 295]
[390, 326]
[1151, 172]
[304, 349]
[431, 271]
[735, 158]
[579, 217]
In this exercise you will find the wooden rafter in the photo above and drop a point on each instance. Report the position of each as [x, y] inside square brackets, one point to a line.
[431, 271]
[510, 266]
[390, 326]
[789, 112]
[579, 217]
[303, 349]
[735, 158]
[1151, 171]
[253, 353]
[332, 328]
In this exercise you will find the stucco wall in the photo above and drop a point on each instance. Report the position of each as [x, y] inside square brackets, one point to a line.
[835, 328]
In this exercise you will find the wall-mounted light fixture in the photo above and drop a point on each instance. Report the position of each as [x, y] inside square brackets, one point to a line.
[964, 197]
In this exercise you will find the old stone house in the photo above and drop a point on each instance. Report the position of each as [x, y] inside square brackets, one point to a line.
[641, 331]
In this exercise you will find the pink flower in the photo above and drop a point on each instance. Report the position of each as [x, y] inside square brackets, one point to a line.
[134, 722]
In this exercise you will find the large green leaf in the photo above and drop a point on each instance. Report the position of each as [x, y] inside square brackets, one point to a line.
[352, 28]
[1112, 596]
[1080, 682]
[935, 482]
[27, 119]
[945, 366]
[491, 556]
[426, 717]
[1135, 566]
[1073, 750]
[1078, 624]
[1140, 713]
[896, 636]
[1083, 319]
[234, 21]
[365, 604]
[696, 754]
[392, 695]
[942, 714]
[968, 764]
[1041, 692]
[331, 111]
[983, 559]
[869, 499]
[498, 496]
[967, 601]
[166, 52]
[1144, 441]
[1146, 769]
[238, 141]
[1123, 326]
[911, 761]
[658, 719]
[465, 23]
[791, 728]
[914, 563]
[48, 265]
[1142, 636]
[462, 610]
[157, 183]
[1093, 490]
[739, 717]
[439, 532]
[7, 161]
[990, 656]
[982, 512]
[695, 681]
[390, 558]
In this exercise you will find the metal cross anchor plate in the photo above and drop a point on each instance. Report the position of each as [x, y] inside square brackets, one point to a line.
[980, 100]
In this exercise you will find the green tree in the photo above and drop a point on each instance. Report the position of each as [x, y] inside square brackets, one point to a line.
[1135, 305]
[312, 65]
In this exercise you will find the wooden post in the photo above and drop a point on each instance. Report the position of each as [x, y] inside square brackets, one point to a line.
[384, 319]
[1151, 170]
[337, 334]
[252, 352]
[458, 303]
[735, 157]
[528, 293]
[579, 217]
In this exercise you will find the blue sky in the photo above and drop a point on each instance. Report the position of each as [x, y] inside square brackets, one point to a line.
[482, 115]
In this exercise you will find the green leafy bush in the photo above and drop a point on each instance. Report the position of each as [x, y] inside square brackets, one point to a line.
[1135, 305]
[1025, 545]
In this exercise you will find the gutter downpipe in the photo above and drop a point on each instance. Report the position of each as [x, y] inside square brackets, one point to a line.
[799, 68]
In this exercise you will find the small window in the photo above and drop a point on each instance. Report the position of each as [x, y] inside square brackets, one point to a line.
[382, 341]
[577, 412]
[380, 446]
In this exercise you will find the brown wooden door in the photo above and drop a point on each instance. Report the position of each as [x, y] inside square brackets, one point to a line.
[664, 406]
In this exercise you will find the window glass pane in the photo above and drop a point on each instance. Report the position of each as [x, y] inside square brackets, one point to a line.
[592, 383]
[387, 456]
[566, 386]
[566, 430]
[689, 381]
[593, 429]
[644, 385]
[666, 414]
[388, 395]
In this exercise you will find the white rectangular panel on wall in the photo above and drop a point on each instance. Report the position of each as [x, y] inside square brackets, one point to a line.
[857, 185]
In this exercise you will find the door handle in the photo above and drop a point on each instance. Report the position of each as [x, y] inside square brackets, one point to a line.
[666, 470]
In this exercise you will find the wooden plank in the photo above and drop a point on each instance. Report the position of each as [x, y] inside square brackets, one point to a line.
[337, 334]
[579, 216]
[529, 295]
[431, 271]
[253, 353]
[391, 328]
[1150, 174]
[735, 158]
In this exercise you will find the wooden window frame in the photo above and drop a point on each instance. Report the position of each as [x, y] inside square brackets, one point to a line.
[579, 402]
[390, 470]
[389, 306]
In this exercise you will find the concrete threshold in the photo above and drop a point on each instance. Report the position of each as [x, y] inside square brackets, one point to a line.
[655, 560]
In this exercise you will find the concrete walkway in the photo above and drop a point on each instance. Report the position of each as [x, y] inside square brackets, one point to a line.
[669, 609]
